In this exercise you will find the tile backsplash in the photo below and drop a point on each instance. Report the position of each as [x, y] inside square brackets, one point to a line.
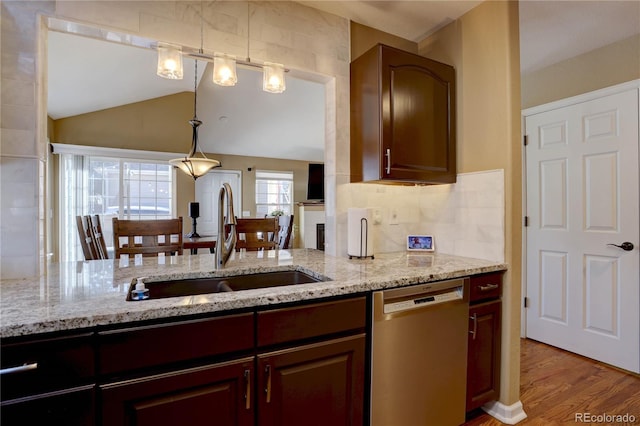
[465, 218]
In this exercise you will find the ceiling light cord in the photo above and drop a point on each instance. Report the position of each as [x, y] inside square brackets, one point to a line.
[194, 122]
[248, 30]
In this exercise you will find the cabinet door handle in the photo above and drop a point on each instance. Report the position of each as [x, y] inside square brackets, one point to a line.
[388, 155]
[267, 389]
[19, 369]
[488, 287]
[474, 318]
[247, 389]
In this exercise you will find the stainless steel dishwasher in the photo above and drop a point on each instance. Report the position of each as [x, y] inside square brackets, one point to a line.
[419, 354]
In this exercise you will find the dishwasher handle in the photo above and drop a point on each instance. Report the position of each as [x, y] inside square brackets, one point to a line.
[422, 296]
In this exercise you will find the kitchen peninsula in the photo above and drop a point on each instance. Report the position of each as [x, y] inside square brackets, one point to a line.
[85, 355]
[78, 295]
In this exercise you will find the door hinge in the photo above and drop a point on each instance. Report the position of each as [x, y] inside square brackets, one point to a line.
[525, 140]
[526, 302]
[526, 221]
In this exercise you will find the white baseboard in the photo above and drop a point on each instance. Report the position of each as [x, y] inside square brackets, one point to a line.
[508, 414]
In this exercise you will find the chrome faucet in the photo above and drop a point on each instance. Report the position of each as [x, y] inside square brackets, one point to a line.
[225, 246]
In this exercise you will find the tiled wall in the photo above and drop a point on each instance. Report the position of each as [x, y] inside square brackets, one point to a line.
[465, 218]
[303, 38]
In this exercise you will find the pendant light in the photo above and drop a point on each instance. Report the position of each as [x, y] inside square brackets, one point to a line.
[192, 165]
[272, 73]
[224, 65]
[273, 78]
[169, 61]
[224, 70]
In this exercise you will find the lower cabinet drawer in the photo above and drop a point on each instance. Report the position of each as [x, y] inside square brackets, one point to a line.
[144, 347]
[71, 407]
[44, 365]
[485, 286]
[308, 321]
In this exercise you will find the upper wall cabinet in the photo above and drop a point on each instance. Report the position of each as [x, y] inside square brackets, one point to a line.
[403, 118]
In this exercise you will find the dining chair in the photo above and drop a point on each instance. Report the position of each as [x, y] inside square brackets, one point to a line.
[256, 233]
[285, 224]
[97, 236]
[86, 240]
[147, 237]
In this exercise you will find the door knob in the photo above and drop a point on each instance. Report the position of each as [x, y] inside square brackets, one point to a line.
[626, 246]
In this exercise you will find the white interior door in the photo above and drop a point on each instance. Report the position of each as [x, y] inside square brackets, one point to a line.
[582, 195]
[207, 192]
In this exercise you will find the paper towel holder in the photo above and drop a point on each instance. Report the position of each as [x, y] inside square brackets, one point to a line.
[364, 236]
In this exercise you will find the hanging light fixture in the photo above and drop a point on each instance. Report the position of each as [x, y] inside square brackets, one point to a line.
[224, 66]
[192, 165]
[273, 78]
[169, 61]
[224, 70]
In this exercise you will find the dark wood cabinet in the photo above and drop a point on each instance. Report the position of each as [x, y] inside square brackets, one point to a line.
[178, 373]
[314, 385]
[69, 407]
[483, 357]
[48, 380]
[315, 374]
[220, 394]
[403, 118]
[161, 344]
[301, 364]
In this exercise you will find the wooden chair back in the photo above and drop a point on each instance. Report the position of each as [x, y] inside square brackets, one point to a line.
[89, 249]
[284, 232]
[98, 236]
[256, 234]
[147, 237]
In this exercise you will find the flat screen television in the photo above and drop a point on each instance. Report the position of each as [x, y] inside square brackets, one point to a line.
[315, 184]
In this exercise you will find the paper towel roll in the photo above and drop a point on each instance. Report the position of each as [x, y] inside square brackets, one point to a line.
[360, 232]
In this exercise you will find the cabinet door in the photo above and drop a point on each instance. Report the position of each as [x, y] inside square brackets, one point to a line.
[483, 359]
[71, 407]
[319, 384]
[218, 394]
[418, 118]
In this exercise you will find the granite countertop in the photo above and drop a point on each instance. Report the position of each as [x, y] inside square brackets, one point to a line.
[77, 295]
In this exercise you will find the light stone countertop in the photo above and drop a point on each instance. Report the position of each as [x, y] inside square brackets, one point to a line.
[76, 295]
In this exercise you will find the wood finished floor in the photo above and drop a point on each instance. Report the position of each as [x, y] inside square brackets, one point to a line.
[555, 384]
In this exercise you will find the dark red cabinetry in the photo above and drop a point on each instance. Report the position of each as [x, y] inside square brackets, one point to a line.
[483, 359]
[403, 118]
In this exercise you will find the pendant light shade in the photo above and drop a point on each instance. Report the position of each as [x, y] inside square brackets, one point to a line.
[195, 163]
[169, 61]
[273, 78]
[195, 167]
[224, 70]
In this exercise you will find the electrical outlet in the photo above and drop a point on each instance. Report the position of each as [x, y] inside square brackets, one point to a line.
[377, 217]
[393, 218]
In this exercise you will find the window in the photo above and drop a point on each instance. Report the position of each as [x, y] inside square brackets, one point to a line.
[130, 189]
[110, 187]
[274, 191]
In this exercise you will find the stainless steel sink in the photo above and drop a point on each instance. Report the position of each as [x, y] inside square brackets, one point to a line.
[194, 286]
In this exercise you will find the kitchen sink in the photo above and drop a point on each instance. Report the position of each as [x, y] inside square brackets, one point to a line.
[194, 286]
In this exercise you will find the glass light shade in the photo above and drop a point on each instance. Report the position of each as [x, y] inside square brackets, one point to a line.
[224, 70]
[194, 166]
[273, 78]
[169, 61]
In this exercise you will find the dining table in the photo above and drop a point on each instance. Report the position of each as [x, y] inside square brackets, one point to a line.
[195, 243]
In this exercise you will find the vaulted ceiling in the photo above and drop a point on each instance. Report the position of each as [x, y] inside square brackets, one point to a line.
[551, 31]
